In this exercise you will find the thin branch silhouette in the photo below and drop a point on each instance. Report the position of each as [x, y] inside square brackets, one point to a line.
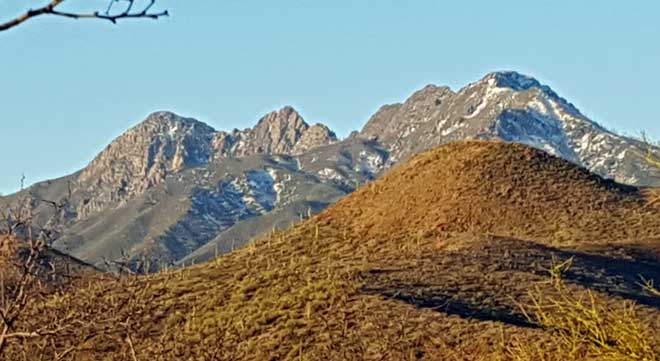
[127, 12]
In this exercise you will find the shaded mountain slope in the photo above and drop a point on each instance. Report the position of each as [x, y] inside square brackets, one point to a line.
[393, 272]
[196, 206]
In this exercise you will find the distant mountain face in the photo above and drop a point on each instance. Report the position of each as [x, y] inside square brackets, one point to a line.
[512, 107]
[165, 144]
[175, 190]
[171, 185]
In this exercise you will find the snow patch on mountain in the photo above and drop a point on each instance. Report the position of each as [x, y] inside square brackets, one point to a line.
[370, 163]
[512, 80]
[330, 174]
[261, 190]
[478, 109]
[278, 184]
[172, 131]
[454, 127]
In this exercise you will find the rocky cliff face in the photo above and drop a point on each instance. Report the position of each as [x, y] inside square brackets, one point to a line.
[165, 144]
[142, 158]
[280, 132]
[178, 190]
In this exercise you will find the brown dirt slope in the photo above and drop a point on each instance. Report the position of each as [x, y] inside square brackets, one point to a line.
[428, 263]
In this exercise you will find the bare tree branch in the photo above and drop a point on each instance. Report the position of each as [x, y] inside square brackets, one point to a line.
[50, 9]
[23, 265]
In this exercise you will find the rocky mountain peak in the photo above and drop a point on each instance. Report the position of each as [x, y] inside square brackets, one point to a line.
[430, 93]
[511, 79]
[279, 132]
[165, 122]
[314, 136]
[286, 117]
[142, 157]
[165, 143]
[510, 106]
[391, 121]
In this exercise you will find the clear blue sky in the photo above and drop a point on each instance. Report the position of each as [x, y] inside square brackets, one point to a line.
[67, 88]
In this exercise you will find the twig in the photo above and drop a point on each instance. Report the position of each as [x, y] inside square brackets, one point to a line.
[129, 341]
[49, 9]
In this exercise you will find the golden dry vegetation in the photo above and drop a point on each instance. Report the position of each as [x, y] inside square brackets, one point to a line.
[462, 253]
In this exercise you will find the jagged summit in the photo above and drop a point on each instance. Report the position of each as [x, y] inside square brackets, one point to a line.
[286, 115]
[512, 80]
[169, 122]
[518, 82]
[395, 121]
[279, 132]
[431, 90]
[165, 143]
[510, 106]
[143, 157]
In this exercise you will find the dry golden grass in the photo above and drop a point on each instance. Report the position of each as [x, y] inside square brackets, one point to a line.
[585, 326]
[430, 262]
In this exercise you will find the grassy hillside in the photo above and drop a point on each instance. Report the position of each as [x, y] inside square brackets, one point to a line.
[460, 254]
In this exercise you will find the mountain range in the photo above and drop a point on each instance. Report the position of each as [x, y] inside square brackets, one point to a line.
[175, 190]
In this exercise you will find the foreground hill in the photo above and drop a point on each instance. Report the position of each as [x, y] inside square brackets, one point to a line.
[176, 191]
[431, 261]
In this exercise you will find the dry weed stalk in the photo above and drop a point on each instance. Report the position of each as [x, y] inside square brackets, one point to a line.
[649, 286]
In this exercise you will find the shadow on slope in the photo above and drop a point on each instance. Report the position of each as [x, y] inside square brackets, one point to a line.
[481, 278]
